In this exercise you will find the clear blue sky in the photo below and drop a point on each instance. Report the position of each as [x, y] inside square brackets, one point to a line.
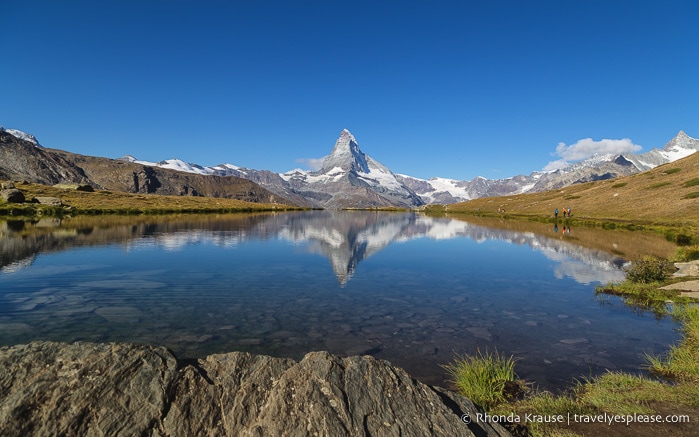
[444, 88]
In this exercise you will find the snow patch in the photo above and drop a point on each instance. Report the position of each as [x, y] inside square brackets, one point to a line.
[22, 136]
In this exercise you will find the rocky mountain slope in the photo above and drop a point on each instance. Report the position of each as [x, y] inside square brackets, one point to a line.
[22, 159]
[123, 389]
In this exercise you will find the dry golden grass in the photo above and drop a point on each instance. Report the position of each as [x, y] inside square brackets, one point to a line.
[125, 203]
[668, 194]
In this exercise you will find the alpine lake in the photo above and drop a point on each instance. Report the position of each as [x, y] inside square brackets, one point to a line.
[412, 289]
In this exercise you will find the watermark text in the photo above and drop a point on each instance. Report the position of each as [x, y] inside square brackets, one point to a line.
[570, 418]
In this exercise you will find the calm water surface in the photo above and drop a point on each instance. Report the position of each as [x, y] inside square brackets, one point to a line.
[411, 289]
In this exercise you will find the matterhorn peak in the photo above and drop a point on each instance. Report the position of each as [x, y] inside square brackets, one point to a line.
[346, 142]
[346, 154]
[347, 134]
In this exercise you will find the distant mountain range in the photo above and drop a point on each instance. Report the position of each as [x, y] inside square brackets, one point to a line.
[348, 177]
[597, 167]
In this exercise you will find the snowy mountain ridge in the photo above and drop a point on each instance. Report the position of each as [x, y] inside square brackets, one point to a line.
[349, 178]
[21, 135]
[596, 167]
[348, 161]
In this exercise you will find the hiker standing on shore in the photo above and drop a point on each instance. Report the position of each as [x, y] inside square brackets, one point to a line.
[555, 213]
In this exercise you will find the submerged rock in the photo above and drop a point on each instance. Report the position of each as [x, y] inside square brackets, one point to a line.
[50, 388]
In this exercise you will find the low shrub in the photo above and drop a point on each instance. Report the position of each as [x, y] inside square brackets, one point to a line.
[649, 269]
[685, 254]
[691, 183]
[679, 238]
[683, 240]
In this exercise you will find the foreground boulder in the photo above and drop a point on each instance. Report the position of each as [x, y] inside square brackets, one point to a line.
[49, 388]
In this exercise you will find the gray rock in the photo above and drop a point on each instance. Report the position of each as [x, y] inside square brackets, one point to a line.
[50, 388]
[51, 201]
[687, 269]
[685, 286]
[12, 195]
[7, 185]
[77, 187]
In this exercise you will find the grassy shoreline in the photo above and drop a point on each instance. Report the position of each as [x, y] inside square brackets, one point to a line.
[670, 389]
[99, 202]
[656, 223]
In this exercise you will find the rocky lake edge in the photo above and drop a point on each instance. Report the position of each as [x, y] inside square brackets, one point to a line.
[52, 388]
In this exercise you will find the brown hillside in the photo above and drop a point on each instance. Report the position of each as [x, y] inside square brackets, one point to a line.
[21, 160]
[667, 194]
[102, 201]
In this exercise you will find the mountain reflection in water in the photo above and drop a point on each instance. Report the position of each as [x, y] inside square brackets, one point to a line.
[345, 238]
[410, 288]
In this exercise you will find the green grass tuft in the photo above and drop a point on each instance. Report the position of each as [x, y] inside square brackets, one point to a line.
[619, 393]
[681, 363]
[658, 185]
[483, 377]
[672, 171]
[691, 183]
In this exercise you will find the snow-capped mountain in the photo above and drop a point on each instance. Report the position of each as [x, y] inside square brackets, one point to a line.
[679, 147]
[174, 164]
[597, 167]
[348, 178]
[21, 135]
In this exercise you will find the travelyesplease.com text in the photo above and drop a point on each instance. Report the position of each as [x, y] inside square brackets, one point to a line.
[569, 418]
